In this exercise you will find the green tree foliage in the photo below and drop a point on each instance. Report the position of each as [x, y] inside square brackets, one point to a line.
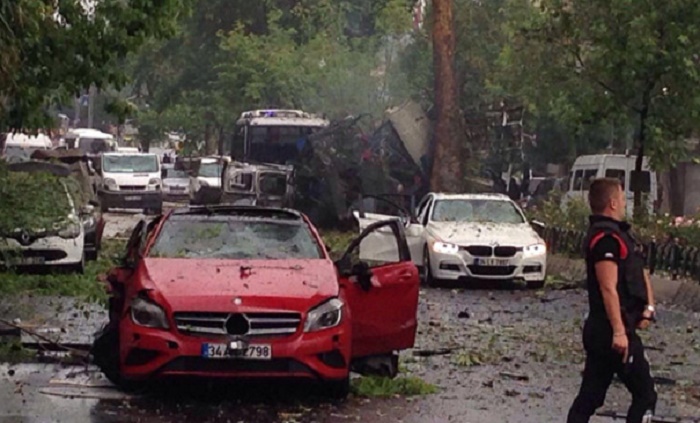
[52, 50]
[229, 56]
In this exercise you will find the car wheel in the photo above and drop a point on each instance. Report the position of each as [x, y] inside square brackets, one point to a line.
[105, 353]
[535, 284]
[80, 266]
[428, 278]
[91, 255]
[337, 389]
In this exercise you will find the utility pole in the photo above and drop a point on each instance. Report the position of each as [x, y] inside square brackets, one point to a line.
[446, 171]
[91, 106]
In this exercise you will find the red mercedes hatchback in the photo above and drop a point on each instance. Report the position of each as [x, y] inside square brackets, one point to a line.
[247, 292]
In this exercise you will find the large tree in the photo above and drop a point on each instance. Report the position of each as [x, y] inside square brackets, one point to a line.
[52, 50]
[631, 64]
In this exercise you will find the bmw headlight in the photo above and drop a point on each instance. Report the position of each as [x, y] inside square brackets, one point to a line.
[110, 184]
[445, 248]
[535, 250]
[148, 314]
[72, 230]
[325, 316]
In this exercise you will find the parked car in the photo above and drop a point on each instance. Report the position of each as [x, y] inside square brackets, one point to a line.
[458, 237]
[176, 183]
[129, 181]
[79, 165]
[249, 292]
[205, 180]
[62, 244]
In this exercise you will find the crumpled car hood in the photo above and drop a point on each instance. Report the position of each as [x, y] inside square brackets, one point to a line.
[464, 233]
[212, 285]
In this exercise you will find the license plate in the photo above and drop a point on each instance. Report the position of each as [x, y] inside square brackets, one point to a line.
[132, 198]
[491, 262]
[30, 261]
[251, 352]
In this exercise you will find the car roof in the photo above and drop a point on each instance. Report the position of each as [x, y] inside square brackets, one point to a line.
[248, 212]
[488, 196]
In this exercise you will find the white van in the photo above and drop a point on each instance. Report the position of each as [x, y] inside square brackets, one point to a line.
[588, 168]
[19, 147]
[130, 181]
[90, 141]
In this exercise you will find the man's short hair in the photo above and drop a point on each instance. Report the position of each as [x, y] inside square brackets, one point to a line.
[600, 193]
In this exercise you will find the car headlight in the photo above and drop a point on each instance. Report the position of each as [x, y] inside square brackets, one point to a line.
[327, 315]
[148, 314]
[110, 184]
[69, 232]
[445, 248]
[534, 250]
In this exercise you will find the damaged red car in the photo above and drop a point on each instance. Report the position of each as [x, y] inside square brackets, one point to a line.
[247, 292]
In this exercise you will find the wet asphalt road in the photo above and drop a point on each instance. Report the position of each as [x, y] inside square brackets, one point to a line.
[505, 356]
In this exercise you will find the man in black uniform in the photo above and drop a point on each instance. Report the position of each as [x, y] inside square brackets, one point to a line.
[621, 301]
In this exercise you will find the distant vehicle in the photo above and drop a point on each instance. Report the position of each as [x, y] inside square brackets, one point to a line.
[129, 181]
[89, 141]
[61, 245]
[459, 237]
[93, 223]
[273, 136]
[588, 168]
[176, 183]
[205, 180]
[19, 147]
[257, 185]
[541, 188]
[255, 295]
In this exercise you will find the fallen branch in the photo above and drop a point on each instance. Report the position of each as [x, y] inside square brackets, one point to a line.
[431, 353]
[78, 353]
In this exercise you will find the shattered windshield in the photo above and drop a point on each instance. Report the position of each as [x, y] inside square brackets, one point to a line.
[210, 170]
[486, 211]
[220, 237]
[137, 163]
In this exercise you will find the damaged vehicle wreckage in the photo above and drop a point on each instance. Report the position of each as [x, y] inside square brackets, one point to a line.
[247, 292]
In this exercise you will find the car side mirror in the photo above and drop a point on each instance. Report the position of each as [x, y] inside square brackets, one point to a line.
[363, 273]
[537, 224]
[87, 210]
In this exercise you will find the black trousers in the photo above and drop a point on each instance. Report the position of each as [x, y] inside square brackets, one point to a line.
[602, 363]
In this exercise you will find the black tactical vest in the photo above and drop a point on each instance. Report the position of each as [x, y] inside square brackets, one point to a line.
[631, 287]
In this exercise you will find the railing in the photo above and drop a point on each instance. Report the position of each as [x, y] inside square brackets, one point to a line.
[668, 256]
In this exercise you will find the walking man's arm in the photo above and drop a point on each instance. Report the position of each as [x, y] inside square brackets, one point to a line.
[606, 273]
[648, 312]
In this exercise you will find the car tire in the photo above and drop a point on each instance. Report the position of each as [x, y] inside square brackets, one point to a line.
[105, 353]
[535, 284]
[428, 278]
[337, 389]
[91, 255]
[80, 266]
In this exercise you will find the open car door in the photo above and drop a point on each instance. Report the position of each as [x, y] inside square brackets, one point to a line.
[380, 243]
[381, 292]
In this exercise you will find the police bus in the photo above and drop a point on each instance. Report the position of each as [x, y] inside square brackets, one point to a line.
[273, 136]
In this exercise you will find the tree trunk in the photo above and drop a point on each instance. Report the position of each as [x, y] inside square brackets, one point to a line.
[209, 140]
[446, 165]
[637, 186]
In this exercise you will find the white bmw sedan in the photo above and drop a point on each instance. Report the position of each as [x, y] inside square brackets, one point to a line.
[461, 237]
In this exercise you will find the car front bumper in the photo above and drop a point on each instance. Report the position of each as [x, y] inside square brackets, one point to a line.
[49, 251]
[131, 199]
[147, 353]
[463, 265]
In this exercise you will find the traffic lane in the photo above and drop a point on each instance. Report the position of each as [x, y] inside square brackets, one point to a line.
[119, 223]
[496, 356]
[517, 356]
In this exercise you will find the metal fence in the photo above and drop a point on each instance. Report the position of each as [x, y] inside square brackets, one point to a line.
[669, 256]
